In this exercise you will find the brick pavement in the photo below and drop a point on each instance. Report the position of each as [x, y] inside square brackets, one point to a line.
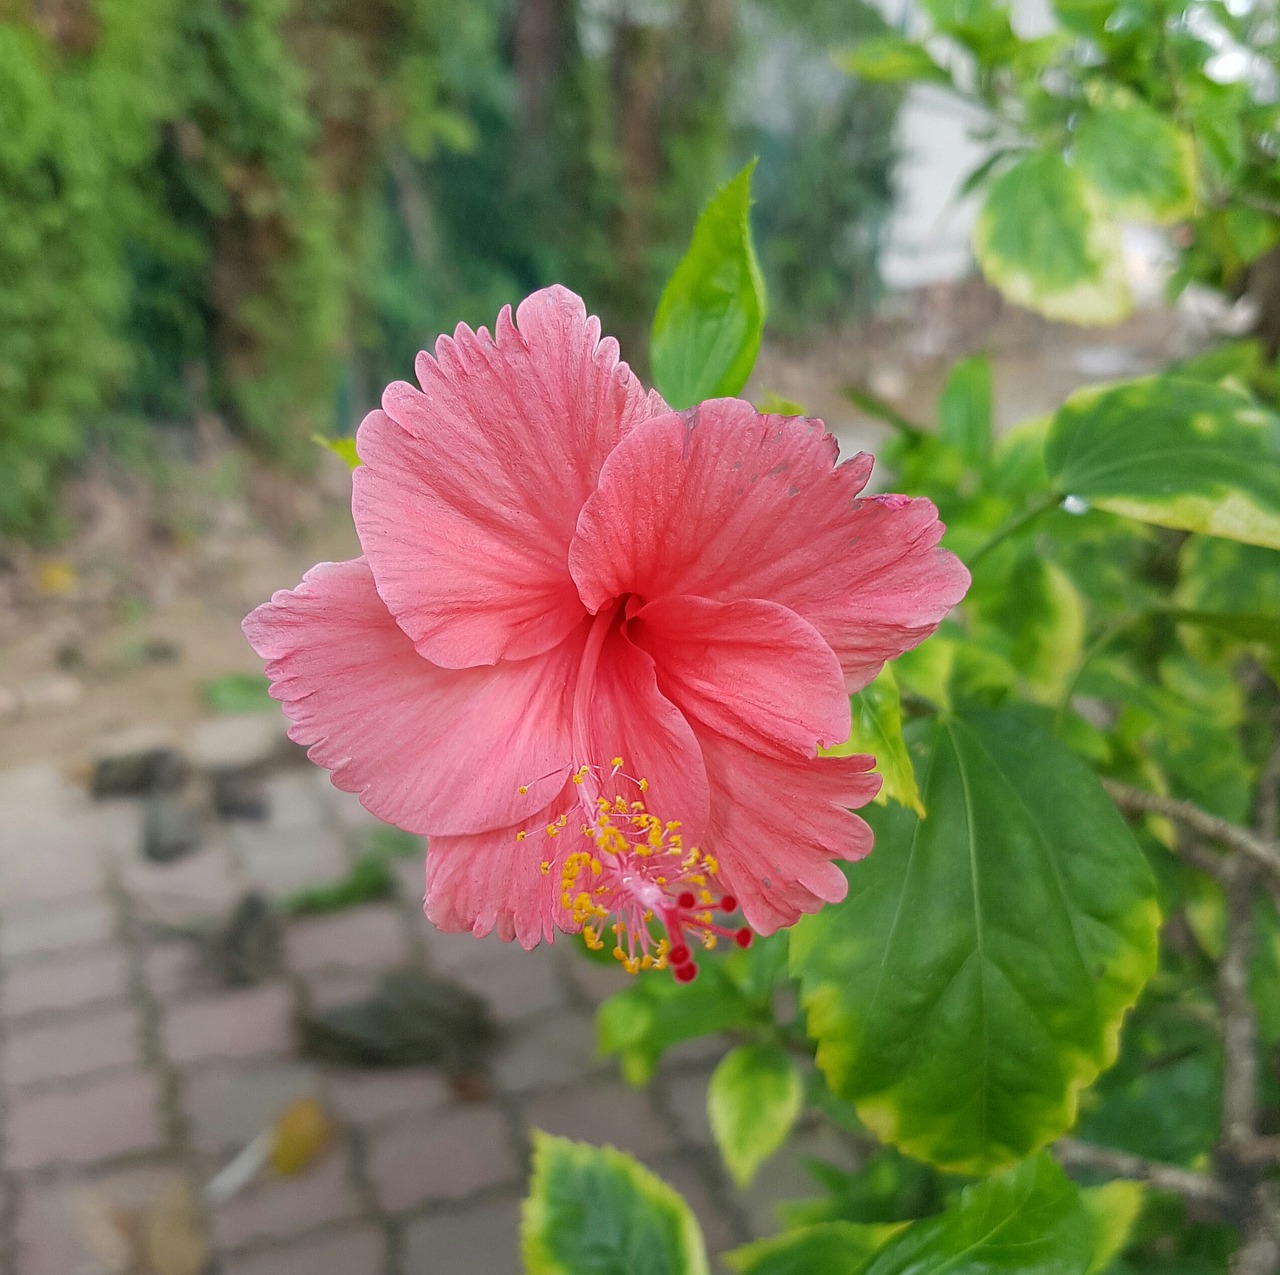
[123, 1067]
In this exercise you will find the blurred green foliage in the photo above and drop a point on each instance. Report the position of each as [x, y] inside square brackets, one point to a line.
[262, 209]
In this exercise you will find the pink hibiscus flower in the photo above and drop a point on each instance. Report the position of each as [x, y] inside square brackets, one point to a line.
[593, 645]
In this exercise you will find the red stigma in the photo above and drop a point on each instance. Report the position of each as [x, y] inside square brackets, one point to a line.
[687, 899]
[679, 955]
[729, 903]
[743, 937]
[685, 973]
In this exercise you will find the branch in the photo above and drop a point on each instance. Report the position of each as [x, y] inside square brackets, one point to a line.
[1191, 1186]
[1239, 1020]
[1259, 1254]
[1260, 850]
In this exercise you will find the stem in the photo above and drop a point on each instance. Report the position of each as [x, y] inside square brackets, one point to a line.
[1239, 1021]
[1106, 636]
[1016, 524]
[1262, 851]
[1164, 1177]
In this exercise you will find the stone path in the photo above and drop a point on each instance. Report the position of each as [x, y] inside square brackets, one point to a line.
[123, 1069]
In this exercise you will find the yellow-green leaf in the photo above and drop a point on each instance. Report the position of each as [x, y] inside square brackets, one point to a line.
[976, 976]
[753, 1100]
[1113, 1208]
[706, 333]
[1043, 239]
[877, 729]
[890, 59]
[1138, 160]
[593, 1209]
[343, 448]
[1175, 452]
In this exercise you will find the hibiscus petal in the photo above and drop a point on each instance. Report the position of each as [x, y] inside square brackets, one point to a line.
[495, 881]
[752, 671]
[492, 882]
[630, 717]
[433, 750]
[777, 824]
[471, 487]
[725, 503]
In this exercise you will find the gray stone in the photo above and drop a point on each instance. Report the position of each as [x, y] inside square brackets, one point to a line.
[150, 770]
[236, 741]
[239, 794]
[170, 828]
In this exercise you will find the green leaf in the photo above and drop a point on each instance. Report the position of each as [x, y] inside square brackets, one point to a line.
[891, 59]
[1043, 615]
[877, 729]
[640, 1023]
[1029, 1220]
[594, 1211]
[1178, 453]
[1112, 1209]
[829, 1248]
[753, 1100]
[370, 878]
[343, 448]
[1044, 242]
[238, 693]
[964, 408]
[1138, 160]
[706, 333]
[976, 976]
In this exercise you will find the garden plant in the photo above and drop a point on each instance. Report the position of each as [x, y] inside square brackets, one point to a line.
[629, 659]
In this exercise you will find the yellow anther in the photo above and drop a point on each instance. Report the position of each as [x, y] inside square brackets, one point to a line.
[712, 865]
[545, 865]
[616, 762]
[520, 836]
[644, 785]
[524, 790]
[552, 830]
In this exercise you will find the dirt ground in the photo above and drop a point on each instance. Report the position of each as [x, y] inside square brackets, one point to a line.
[142, 604]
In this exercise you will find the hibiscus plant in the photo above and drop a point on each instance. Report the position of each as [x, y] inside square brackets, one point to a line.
[632, 660]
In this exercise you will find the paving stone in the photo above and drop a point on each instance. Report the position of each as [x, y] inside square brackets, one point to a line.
[357, 1250]
[228, 1106]
[54, 1219]
[280, 1208]
[175, 971]
[784, 1177]
[201, 884]
[293, 803]
[59, 876]
[55, 930]
[594, 980]
[369, 937]
[515, 983]
[232, 741]
[448, 1156]
[365, 1097]
[686, 1097]
[606, 1111]
[331, 988]
[553, 1050]
[233, 1024]
[281, 861]
[412, 877]
[346, 805]
[74, 982]
[698, 1051]
[97, 1120]
[482, 1238]
[688, 1178]
[87, 1043]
